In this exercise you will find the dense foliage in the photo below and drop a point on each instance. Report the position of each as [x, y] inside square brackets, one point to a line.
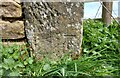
[100, 56]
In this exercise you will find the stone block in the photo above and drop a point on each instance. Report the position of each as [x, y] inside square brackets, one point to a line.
[10, 8]
[12, 30]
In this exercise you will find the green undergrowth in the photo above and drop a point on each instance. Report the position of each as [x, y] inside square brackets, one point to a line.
[100, 56]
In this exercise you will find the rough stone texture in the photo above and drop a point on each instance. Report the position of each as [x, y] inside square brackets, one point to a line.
[10, 8]
[14, 30]
[17, 1]
[11, 28]
[53, 29]
[13, 43]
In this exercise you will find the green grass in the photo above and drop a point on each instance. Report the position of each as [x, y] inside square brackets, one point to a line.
[100, 56]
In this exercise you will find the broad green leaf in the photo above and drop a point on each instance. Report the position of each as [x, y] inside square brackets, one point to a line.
[25, 62]
[16, 55]
[15, 73]
[1, 72]
[10, 50]
[9, 61]
[30, 60]
[0, 65]
[5, 66]
[46, 67]
[19, 65]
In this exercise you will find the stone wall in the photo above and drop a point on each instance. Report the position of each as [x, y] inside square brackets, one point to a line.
[52, 29]
[11, 21]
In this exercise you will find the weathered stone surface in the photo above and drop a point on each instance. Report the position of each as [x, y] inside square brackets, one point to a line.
[10, 8]
[14, 30]
[13, 43]
[54, 29]
[18, 1]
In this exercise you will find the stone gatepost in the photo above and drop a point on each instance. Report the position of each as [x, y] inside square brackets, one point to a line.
[53, 28]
